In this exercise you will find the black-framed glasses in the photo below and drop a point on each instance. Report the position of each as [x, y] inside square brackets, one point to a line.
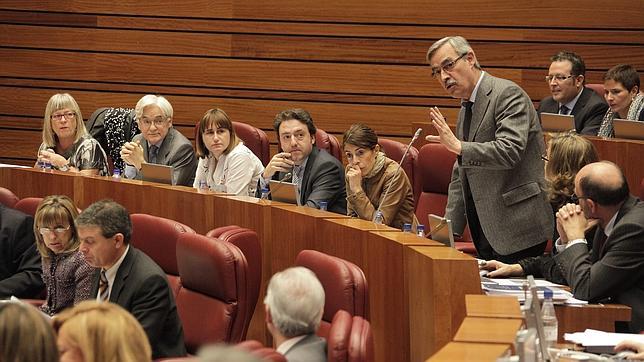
[67, 115]
[59, 230]
[446, 67]
[544, 158]
[558, 77]
[575, 199]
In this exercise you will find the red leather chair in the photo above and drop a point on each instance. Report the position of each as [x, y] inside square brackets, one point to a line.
[328, 142]
[258, 350]
[642, 189]
[8, 198]
[28, 205]
[350, 339]
[344, 283]
[212, 301]
[254, 138]
[434, 171]
[157, 237]
[395, 150]
[248, 242]
[597, 87]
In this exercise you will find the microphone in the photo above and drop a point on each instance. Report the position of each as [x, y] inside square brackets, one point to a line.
[402, 159]
[286, 177]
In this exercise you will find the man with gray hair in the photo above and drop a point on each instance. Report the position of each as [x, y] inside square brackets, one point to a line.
[128, 277]
[498, 184]
[294, 305]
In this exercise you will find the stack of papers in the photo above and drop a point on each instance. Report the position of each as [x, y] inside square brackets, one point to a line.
[601, 342]
[514, 287]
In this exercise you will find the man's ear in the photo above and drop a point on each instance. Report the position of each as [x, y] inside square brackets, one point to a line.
[119, 240]
[267, 312]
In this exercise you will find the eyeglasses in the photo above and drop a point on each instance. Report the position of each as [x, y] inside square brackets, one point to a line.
[545, 158]
[59, 230]
[446, 67]
[559, 78]
[575, 199]
[59, 116]
[158, 122]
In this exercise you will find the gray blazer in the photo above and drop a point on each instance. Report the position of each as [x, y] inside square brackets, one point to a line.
[588, 111]
[502, 162]
[176, 150]
[310, 349]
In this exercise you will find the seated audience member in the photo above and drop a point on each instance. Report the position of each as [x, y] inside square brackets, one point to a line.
[66, 274]
[19, 260]
[566, 78]
[638, 347]
[374, 181]
[601, 254]
[225, 164]
[100, 332]
[319, 175]
[566, 154]
[112, 127]
[159, 142]
[25, 334]
[128, 277]
[66, 145]
[294, 305]
[622, 92]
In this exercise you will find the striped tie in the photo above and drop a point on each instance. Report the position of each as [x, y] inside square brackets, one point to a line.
[103, 288]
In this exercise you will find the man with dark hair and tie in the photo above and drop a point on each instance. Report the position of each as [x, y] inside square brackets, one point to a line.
[566, 79]
[159, 142]
[319, 176]
[128, 277]
[498, 184]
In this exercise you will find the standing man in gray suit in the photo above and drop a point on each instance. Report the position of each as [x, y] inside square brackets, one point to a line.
[498, 181]
[159, 142]
[294, 306]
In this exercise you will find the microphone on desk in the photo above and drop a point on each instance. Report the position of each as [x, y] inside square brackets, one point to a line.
[286, 177]
[402, 159]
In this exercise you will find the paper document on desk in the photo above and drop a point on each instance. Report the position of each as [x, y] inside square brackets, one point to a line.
[599, 341]
[514, 287]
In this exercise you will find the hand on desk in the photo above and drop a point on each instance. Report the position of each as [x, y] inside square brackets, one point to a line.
[631, 345]
[498, 269]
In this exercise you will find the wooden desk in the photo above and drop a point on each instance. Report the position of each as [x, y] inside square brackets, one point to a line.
[596, 316]
[488, 330]
[460, 351]
[493, 306]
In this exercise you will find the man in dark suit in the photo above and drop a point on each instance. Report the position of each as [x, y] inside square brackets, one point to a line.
[159, 142]
[128, 277]
[294, 306]
[497, 184]
[319, 176]
[20, 272]
[614, 268]
[566, 78]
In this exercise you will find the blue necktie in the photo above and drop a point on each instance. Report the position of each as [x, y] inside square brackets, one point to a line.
[154, 151]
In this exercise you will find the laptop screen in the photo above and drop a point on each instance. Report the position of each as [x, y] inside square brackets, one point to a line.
[157, 173]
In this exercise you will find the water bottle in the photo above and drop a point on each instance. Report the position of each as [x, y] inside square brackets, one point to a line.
[406, 227]
[378, 218]
[265, 193]
[323, 205]
[420, 230]
[116, 175]
[203, 186]
[550, 325]
[47, 166]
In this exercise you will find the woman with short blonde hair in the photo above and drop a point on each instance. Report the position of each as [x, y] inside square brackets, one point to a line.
[101, 332]
[25, 334]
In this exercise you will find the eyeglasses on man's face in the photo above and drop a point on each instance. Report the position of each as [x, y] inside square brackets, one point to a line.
[59, 116]
[575, 199]
[147, 123]
[59, 230]
[558, 77]
[446, 67]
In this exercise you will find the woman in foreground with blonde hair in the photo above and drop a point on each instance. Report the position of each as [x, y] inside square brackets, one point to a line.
[100, 332]
[25, 334]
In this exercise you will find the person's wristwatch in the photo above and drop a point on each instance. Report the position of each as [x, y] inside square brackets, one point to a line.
[64, 167]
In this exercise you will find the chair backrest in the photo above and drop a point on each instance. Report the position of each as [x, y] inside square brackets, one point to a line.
[350, 339]
[157, 237]
[395, 150]
[597, 87]
[328, 142]
[8, 198]
[212, 300]
[28, 205]
[642, 189]
[248, 242]
[254, 138]
[344, 283]
[258, 350]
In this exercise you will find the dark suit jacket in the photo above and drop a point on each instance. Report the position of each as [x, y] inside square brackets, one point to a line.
[323, 181]
[310, 349]
[176, 150]
[588, 111]
[20, 272]
[615, 269]
[501, 162]
[142, 289]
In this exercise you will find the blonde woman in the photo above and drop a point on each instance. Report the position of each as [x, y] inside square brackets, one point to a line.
[100, 332]
[67, 276]
[66, 145]
[25, 334]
